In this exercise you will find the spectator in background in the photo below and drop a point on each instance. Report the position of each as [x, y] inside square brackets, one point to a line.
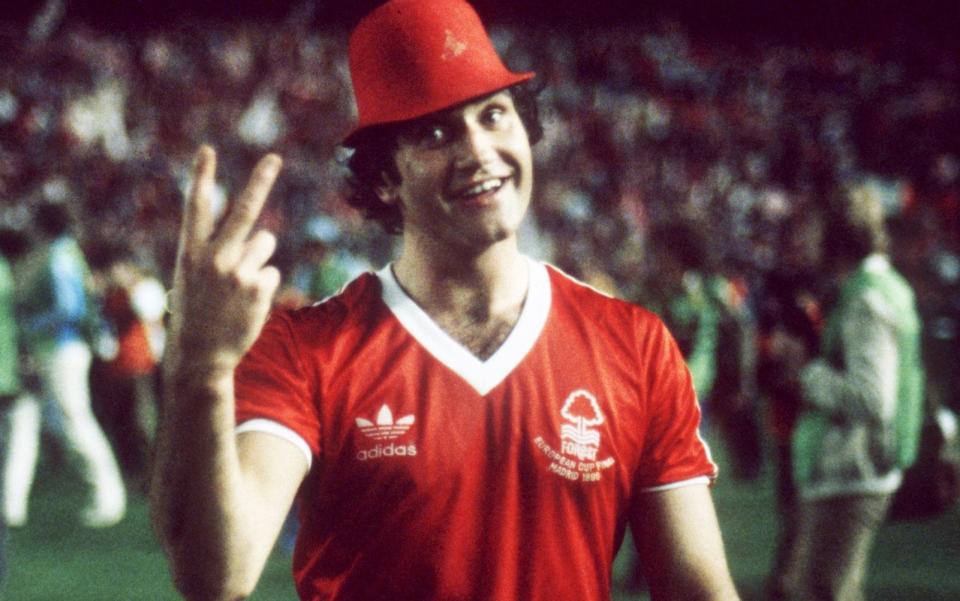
[687, 297]
[707, 315]
[9, 364]
[862, 408]
[54, 311]
[19, 444]
[124, 374]
[790, 319]
[319, 272]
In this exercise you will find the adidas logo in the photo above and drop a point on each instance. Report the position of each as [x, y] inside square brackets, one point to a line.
[385, 428]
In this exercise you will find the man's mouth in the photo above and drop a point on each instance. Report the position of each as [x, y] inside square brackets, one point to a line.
[487, 186]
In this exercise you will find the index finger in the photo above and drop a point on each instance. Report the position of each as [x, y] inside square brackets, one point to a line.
[246, 208]
[197, 221]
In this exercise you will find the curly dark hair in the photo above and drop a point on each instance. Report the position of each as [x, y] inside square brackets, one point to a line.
[373, 155]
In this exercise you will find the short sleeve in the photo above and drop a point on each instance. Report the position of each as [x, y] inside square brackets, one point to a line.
[274, 387]
[674, 453]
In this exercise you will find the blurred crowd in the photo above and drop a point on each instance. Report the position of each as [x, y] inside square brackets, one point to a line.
[647, 126]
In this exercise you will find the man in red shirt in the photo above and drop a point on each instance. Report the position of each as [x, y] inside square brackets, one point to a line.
[466, 423]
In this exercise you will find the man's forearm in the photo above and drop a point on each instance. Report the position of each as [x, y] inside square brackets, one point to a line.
[196, 492]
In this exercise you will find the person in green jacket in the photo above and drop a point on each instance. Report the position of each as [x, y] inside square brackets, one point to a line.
[9, 366]
[863, 408]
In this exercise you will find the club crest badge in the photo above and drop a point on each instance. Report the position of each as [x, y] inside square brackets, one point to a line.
[577, 439]
[580, 440]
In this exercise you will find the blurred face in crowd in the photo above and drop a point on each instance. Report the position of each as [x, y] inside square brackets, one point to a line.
[465, 174]
[803, 248]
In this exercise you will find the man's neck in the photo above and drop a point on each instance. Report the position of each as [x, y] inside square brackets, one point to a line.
[477, 301]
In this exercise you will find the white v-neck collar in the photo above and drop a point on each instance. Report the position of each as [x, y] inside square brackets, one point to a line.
[483, 376]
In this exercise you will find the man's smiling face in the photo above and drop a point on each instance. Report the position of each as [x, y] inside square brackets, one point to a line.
[466, 174]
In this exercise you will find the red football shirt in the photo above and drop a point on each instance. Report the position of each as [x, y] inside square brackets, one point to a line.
[439, 476]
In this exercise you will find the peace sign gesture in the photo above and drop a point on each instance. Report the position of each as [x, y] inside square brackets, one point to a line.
[222, 286]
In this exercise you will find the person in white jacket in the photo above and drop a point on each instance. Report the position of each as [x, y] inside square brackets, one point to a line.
[863, 407]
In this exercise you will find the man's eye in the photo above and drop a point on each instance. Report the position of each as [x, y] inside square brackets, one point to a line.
[494, 115]
[433, 135]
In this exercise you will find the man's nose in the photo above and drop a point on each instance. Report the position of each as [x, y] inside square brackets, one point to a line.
[476, 147]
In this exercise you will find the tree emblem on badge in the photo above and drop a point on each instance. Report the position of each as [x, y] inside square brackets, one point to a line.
[577, 438]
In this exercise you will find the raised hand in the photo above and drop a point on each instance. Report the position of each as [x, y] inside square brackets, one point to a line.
[223, 287]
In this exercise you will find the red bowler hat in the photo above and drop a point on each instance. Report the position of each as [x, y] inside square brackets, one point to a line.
[410, 58]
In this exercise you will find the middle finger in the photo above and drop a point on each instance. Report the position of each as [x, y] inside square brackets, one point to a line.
[244, 211]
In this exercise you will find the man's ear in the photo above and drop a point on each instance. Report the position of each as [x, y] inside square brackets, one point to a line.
[386, 191]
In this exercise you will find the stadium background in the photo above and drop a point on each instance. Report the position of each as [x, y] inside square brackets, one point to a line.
[731, 114]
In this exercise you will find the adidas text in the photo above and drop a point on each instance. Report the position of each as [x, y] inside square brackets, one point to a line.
[390, 450]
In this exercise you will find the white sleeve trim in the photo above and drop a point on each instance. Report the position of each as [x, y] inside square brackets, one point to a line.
[680, 484]
[277, 429]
